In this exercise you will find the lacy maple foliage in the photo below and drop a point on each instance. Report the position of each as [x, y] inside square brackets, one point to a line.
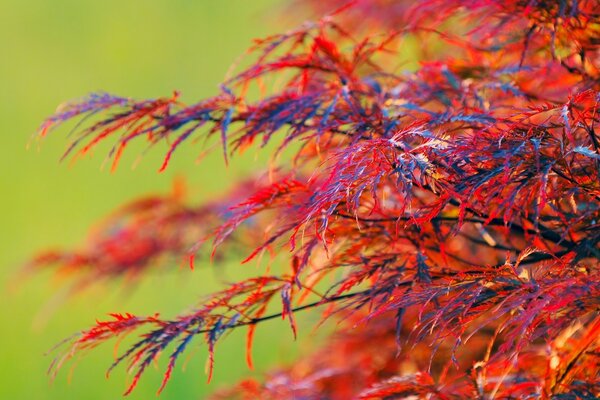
[447, 215]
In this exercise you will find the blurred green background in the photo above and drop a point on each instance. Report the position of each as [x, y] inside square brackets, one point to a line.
[52, 51]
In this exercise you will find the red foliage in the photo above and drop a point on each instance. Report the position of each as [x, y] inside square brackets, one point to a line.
[450, 213]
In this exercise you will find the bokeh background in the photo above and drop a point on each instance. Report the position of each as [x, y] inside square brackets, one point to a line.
[52, 51]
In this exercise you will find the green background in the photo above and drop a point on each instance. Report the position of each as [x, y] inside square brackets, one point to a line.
[52, 51]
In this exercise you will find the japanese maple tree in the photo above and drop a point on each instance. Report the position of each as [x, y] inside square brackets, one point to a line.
[441, 203]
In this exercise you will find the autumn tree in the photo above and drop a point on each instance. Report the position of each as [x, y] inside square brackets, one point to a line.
[440, 203]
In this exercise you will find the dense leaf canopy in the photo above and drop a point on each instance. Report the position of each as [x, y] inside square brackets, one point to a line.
[441, 201]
